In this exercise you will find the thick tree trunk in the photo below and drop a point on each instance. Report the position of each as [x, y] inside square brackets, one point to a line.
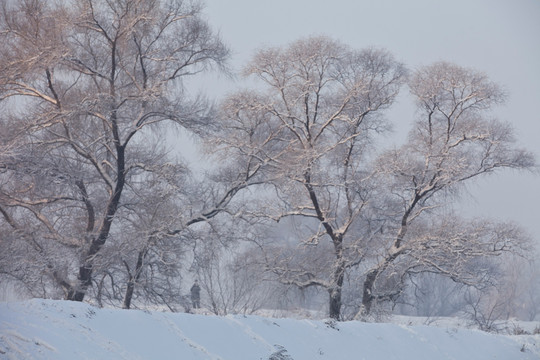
[84, 282]
[335, 293]
[369, 283]
[85, 270]
[335, 302]
[129, 293]
[367, 294]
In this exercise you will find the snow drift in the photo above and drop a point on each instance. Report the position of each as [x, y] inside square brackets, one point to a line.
[45, 329]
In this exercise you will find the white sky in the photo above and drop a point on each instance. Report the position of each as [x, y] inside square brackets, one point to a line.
[498, 37]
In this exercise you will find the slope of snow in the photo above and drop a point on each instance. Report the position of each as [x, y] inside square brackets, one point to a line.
[45, 329]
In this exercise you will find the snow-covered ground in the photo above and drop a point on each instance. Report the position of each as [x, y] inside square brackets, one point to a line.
[45, 329]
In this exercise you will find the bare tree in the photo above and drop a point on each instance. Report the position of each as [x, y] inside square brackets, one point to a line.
[89, 81]
[431, 295]
[485, 308]
[452, 142]
[230, 276]
[308, 129]
[145, 261]
[517, 289]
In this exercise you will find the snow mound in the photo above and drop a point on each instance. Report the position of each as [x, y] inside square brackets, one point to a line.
[46, 329]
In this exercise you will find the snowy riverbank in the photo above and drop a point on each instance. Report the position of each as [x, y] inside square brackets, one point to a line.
[45, 329]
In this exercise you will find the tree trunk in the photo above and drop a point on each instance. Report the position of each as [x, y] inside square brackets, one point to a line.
[129, 293]
[337, 239]
[336, 291]
[133, 278]
[367, 294]
[84, 281]
[85, 270]
[369, 282]
[335, 302]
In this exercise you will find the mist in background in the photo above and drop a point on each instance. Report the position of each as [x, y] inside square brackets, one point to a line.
[497, 37]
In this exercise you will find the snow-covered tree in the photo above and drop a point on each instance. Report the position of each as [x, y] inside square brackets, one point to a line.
[308, 129]
[85, 84]
[453, 141]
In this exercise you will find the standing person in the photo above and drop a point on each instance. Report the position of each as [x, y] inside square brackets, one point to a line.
[196, 295]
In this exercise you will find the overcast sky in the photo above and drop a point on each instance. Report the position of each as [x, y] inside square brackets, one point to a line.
[498, 37]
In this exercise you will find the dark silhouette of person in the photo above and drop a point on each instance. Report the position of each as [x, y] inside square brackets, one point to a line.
[196, 295]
